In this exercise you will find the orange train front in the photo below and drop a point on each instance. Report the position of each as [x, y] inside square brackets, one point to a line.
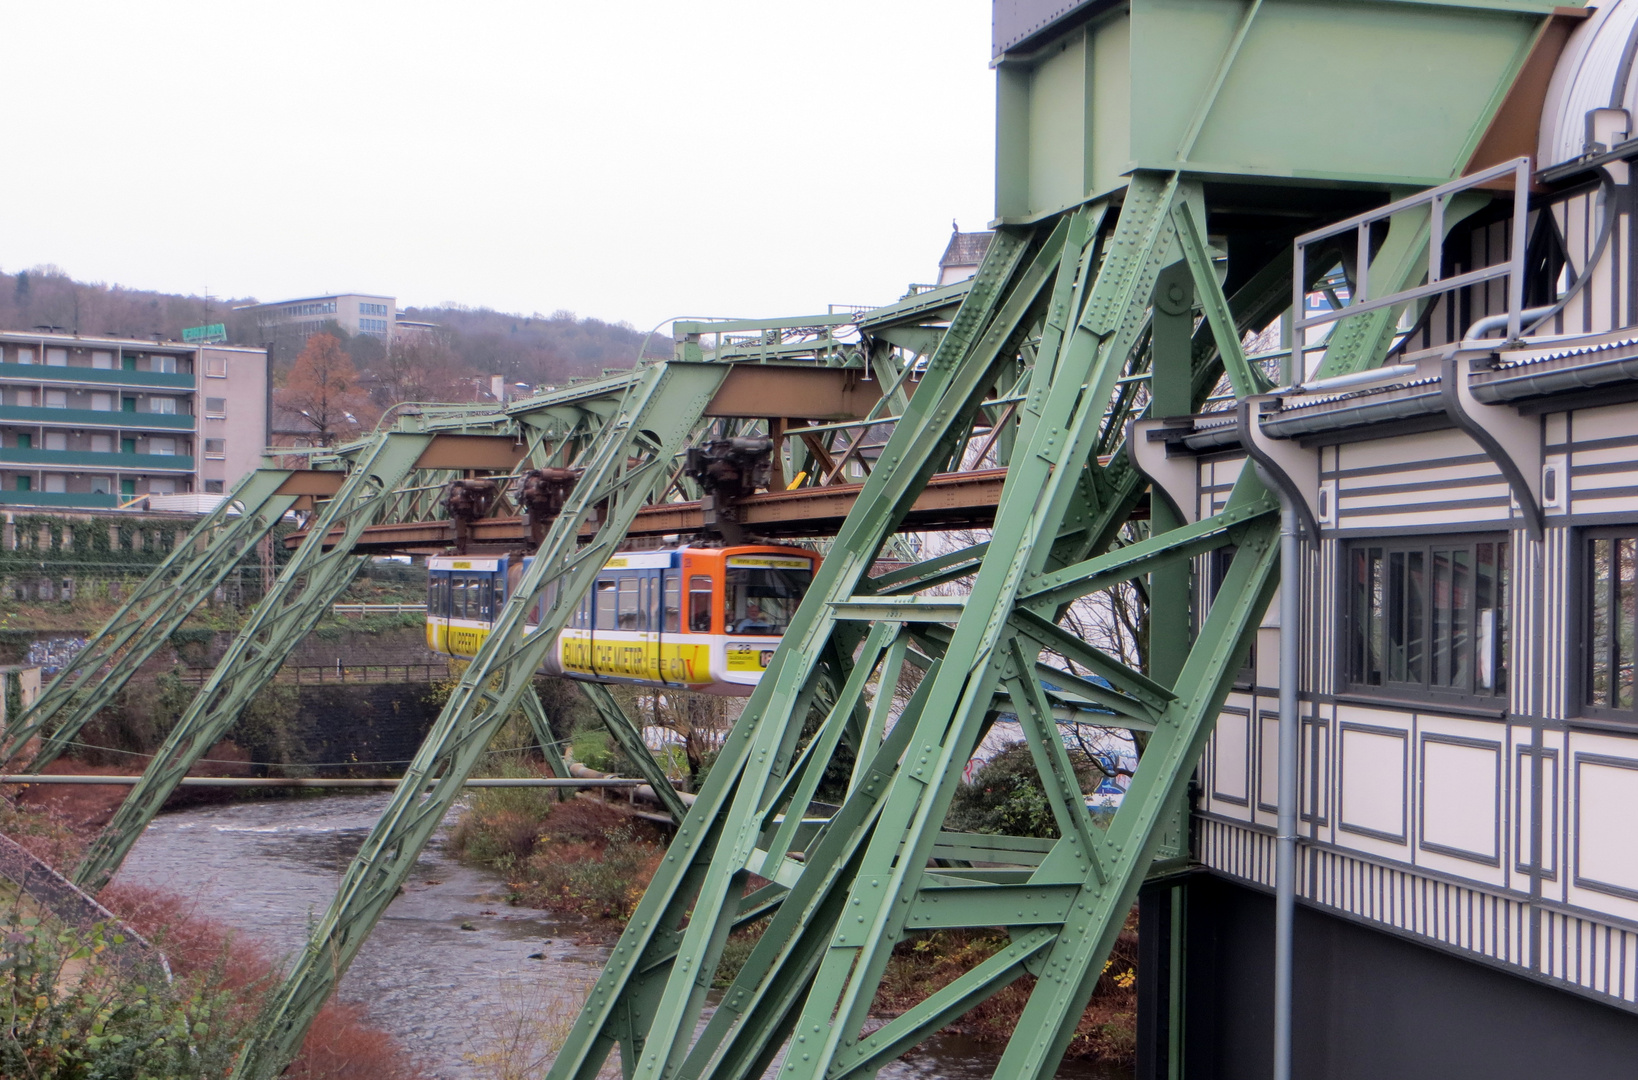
[706, 619]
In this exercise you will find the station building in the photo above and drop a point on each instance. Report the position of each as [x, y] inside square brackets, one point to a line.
[1467, 859]
[91, 423]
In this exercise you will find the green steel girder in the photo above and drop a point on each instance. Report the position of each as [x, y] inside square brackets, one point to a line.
[310, 582]
[195, 567]
[1083, 290]
[535, 713]
[656, 415]
[629, 738]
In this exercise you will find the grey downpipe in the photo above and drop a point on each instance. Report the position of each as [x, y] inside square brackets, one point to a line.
[1285, 841]
[1472, 339]
[1537, 316]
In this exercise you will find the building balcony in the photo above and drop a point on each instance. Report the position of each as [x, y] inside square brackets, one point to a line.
[49, 373]
[139, 421]
[70, 500]
[95, 460]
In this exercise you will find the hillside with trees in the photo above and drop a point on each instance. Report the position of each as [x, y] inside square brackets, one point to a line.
[470, 345]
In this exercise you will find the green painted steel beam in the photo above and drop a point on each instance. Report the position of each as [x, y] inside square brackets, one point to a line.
[628, 461]
[629, 738]
[310, 582]
[535, 713]
[197, 564]
[1082, 289]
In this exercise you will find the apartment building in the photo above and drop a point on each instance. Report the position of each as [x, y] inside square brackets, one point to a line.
[356, 313]
[93, 422]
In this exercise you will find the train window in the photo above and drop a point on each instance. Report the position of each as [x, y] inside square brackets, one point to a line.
[673, 604]
[631, 611]
[457, 597]
[761, 600]
[485, 598]
[606, 594]
[435, 588]
[699, 604]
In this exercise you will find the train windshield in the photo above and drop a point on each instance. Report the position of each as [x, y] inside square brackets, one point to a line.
[762, 593]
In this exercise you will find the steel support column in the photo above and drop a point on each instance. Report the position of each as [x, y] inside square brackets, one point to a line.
[535, 712]
[144, 623]
[629, 738]
[863, 876]
[311, 581]
[647, 427]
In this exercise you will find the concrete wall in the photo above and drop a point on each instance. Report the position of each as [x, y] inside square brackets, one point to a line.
[1367, 1004]
[243, 428]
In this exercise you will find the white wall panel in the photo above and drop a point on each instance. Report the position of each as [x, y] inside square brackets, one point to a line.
[1462, 805]
[1374, 796]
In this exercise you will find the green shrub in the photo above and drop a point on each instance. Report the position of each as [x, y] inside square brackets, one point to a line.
[594, 749]
[1006, 797]
[604, 886]
[69, 1011]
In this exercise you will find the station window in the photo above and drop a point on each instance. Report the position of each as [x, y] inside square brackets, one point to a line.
[1427, 617]
[1609, 626]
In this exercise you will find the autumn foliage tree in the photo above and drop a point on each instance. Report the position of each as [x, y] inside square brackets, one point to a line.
[419, 366]
[323, 388]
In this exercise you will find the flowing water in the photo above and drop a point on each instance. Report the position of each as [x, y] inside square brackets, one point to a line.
[451, 970]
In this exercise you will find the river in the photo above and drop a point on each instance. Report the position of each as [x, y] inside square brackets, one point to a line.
[451, 970]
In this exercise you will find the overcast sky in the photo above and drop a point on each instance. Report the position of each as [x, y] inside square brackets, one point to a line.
[633, 160]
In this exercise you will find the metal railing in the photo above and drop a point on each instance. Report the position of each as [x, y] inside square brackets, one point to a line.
[1360, 300]
[378, 609]
[331, 674]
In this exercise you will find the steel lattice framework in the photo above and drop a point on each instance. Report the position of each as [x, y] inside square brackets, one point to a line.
[1088, 323]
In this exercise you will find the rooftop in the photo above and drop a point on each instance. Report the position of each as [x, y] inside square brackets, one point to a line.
[149, 344]
[965, 248]
[320, 296]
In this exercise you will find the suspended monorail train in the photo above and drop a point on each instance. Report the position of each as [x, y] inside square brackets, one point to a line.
[706, 619]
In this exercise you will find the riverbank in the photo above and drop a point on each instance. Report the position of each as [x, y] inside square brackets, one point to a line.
[593, 858]
[80, 1001]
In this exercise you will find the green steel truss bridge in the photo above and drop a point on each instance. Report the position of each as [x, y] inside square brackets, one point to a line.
[1148, 204]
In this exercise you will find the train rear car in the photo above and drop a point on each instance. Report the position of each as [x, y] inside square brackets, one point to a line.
[705, 619]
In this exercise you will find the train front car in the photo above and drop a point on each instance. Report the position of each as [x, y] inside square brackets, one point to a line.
[464, 594]
[694, 618]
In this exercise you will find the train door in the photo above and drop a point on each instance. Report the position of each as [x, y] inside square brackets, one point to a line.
[651, 614]
[605, 625]
[631, 660]
[667, 646]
